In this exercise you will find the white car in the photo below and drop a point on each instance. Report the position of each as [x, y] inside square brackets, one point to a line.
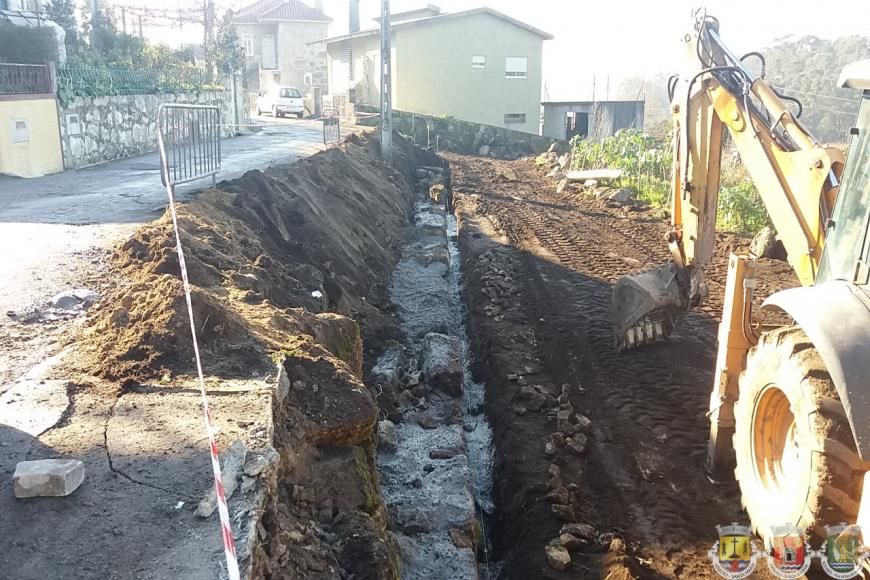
[279, 101]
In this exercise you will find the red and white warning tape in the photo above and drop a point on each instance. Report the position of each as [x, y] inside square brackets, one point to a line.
[226, 527]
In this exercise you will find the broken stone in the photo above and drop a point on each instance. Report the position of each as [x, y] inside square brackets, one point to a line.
[563, 512]
[577, 444]
[521, 411]
[584, 423]
[248, 484]
[442, 363]
[444, 453]
[388, 439]
[427, 422]
[256, 464]
[483, 151]
[79, 298]
[763, 243]
[622, 196]
[527, 392]
[565, 161]
[581, 531]
[48, 477]
[563, 185]
[233, 466]
[558, 557]
[572, 543]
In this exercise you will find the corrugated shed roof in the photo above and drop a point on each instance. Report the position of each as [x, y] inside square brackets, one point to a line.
[268, 10]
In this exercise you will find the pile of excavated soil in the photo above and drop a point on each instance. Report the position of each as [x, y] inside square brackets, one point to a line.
[599, 453]
[290, 270]
[265, 253]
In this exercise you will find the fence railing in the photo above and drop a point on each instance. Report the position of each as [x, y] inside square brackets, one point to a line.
[25, 79]
[331, 126]
[191, 142]
[96, 81]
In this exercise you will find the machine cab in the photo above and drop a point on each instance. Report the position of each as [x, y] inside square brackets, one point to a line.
[847, 245]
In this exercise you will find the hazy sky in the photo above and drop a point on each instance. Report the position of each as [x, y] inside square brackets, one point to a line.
[637, 37]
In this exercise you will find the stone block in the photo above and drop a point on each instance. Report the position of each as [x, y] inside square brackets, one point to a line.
[442, 363]
[48, 477]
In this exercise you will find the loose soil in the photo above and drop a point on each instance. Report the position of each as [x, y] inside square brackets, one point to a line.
[539, 269]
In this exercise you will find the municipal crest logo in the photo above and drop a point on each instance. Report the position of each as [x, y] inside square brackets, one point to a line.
[734, 556]
[842, 554]
[789, 556]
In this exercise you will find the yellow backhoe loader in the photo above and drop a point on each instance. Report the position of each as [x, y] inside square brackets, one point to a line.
[790, 405]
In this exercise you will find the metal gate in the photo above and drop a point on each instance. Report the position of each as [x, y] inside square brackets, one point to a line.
[331, 126]
[190, 142]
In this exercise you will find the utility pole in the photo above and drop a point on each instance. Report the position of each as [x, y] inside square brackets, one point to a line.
[95, 10]
[124, 19]
[386, 84]
[140, 26]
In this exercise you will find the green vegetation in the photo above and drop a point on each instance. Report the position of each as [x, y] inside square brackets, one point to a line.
[647, 164]
[25, 45]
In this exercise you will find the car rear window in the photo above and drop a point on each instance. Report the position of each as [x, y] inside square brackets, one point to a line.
[290, 94]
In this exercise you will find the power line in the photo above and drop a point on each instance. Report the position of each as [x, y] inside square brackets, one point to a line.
[810, 94]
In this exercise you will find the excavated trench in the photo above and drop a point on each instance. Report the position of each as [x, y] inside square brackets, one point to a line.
[435, 446]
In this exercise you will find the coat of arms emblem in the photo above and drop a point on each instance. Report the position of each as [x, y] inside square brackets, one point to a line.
[734, 555]
[842, 554]
[789, 555]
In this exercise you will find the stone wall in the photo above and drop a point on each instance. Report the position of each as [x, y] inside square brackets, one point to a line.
[120, 126]
[462, 137]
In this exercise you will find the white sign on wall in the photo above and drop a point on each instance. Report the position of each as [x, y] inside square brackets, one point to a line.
[20, 131]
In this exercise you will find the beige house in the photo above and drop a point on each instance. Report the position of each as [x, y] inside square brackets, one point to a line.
[476, 65]
[277, 36]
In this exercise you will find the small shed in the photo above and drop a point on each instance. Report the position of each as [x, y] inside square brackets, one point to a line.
[591, 119]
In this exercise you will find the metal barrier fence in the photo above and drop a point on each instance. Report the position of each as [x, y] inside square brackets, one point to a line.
[25, 79]
[331, 126]
[190, 142]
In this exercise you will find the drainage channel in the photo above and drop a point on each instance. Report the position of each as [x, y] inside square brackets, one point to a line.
[435, 457]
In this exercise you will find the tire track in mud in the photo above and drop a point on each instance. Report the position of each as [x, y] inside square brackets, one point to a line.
[643, 479]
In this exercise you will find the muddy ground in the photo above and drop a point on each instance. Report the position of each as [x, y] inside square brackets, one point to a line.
[539, 269]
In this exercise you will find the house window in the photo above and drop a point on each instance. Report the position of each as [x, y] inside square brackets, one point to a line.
[248, 44]
[514, 118]
[516, 67]
[478, 62]
[348, 56]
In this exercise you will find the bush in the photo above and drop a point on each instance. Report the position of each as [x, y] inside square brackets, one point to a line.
[647, 163]
[26, 45]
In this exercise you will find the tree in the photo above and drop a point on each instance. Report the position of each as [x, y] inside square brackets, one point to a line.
[62, 13]
[226, 53]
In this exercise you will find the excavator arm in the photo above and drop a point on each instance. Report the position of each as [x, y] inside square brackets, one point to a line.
[797, 179]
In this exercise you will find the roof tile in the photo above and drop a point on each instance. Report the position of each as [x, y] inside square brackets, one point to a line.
[280, 10]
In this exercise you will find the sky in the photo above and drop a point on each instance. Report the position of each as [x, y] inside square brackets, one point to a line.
[623, 38]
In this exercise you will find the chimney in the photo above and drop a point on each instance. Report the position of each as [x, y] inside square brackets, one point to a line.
[354, 15]
[318, 5]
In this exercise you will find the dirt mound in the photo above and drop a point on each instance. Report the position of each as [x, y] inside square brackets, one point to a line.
[265, 253]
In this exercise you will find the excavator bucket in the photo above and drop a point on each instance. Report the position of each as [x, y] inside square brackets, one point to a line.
[645, 306]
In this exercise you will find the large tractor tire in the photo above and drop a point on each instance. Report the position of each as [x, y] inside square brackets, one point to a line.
[795, 453]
